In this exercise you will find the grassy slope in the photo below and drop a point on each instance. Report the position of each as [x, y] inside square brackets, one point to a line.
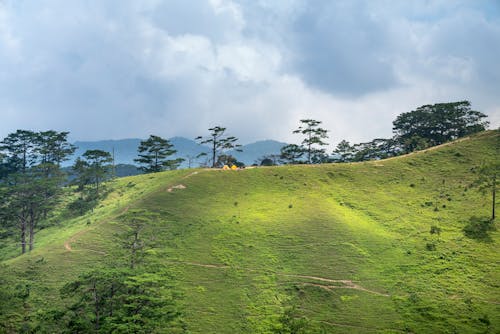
[242, 245]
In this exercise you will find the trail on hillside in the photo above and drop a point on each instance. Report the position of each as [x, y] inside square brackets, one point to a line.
[74, 237]
[345, 284]
[371, 329]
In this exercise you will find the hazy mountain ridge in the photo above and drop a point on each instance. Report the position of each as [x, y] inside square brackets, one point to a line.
[125, 150]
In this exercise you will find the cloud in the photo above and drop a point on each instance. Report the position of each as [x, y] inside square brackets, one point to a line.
[350, 51]
[119, 69]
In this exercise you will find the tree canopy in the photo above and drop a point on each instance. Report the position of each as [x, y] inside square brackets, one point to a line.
[431, 125]
[30, 178]
[154, 153]
[313, 137]
[219, 142]
[92, 168]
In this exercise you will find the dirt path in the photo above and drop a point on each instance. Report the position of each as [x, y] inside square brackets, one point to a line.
[74, 237]
[344, 284]
[67, 243]
[218, 266]
[371, 329]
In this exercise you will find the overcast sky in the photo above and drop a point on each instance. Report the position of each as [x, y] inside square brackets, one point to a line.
[125, 68]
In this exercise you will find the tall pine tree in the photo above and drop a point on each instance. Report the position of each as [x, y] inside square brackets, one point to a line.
[219, 142]
[314, 136]
[154, 153]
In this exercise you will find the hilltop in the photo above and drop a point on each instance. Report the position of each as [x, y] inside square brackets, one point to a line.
[384, 246]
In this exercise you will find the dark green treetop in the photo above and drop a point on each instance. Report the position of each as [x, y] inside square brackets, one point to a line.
[153, 154]
[291, 154]
[219, 142]
[431, 125]
[314, 136]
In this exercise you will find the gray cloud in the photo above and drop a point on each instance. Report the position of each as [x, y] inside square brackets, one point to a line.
[341, 53]
[120, 69]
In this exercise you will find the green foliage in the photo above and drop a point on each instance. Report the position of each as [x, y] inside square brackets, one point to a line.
[153, 154]
[431, 125]
[292, 322]
[229, 160]
[31, 179]
[479, 228]
[92, 169]
[435, 230]
[219, 142]
[148, 306]
[291, 154]
[351, 253]
[119, 301]
[427, 126]
[54, 147]
[344, 152]
[133, 239]
[314, 137]
[269, 160]
[487, 180]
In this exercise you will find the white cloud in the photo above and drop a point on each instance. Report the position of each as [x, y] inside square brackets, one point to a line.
[120, 69]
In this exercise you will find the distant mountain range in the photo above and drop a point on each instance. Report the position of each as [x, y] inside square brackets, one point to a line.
[125, 150]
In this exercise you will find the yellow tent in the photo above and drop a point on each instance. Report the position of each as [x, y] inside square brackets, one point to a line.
[233, 167]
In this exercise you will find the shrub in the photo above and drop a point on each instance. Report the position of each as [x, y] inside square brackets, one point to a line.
[430, 246]
[479, 228]
[435, 230]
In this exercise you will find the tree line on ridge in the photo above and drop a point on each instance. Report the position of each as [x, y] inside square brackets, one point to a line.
[32, 180]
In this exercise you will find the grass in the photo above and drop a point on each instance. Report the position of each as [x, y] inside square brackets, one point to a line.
[347, 245]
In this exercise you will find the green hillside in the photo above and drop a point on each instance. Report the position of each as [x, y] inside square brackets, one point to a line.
[334, 248]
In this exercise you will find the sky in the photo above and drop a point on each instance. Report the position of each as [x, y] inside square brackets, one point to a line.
[127, 69]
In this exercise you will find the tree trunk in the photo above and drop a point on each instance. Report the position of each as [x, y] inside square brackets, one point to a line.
[156, 169]
[213, 154]
[31, 237]
[23, 235]
[494, 198]
[309, 149]
[31, 230]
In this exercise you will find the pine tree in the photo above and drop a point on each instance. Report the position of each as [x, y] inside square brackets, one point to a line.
[344, 151]
[219, 142]
[291, 154]
[153, 154]
[314, 136]
[487, 180]
[32, 178]
[93, 168]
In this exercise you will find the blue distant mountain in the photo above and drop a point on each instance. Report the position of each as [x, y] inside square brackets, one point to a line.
[125, 150]
[254, 151]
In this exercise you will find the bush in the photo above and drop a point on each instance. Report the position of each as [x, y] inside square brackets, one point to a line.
[479, 227]
[430, 246]
[435, 230]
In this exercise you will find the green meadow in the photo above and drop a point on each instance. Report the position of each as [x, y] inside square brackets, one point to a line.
[388, 246]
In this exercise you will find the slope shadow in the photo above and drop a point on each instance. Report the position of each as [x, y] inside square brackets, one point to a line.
[479, 228]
